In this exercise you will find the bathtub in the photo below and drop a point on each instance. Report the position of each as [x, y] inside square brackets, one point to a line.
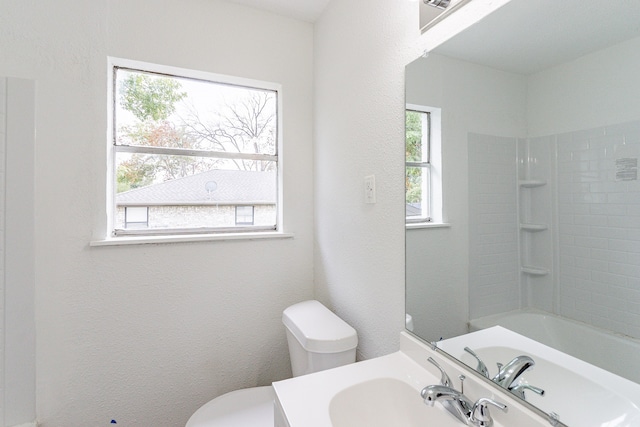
[616, 353]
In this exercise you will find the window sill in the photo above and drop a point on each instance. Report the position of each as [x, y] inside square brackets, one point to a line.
[143, 240]
[419, 225]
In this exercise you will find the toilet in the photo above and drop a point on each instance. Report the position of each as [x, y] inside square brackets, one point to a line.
[317, 340]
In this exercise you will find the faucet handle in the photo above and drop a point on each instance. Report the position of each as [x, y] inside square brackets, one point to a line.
[482, 368]
[480, 415]
[444, 379]
[519, 389]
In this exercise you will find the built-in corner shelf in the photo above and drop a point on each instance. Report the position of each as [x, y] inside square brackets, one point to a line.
[534, 271]
[533, 227]
[531, 183]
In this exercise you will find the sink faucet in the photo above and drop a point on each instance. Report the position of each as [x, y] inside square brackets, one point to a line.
[508, 376]
[509, 373]
[469, 413]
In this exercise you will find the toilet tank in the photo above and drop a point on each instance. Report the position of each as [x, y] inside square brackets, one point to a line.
[317, 338]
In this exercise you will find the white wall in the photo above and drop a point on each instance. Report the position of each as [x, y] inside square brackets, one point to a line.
[361, 48]
[598, 89]
[146, 334]
[3, 141]
[474, 99]
[19, 343]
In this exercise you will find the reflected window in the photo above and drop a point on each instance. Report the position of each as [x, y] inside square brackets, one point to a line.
[418, 165]
[423, 190]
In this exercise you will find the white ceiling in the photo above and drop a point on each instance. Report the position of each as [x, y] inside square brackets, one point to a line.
[526, 36]
[307, 10]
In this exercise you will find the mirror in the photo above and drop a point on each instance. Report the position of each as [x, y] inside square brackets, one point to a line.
[540, 141]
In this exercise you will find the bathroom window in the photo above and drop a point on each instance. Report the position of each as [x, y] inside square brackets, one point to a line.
[199, 151]
[423, 190]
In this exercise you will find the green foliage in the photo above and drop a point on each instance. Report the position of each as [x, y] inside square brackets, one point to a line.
[413, 142]
[246, 125]
[150, 97]
[413, 152]
[134, 173]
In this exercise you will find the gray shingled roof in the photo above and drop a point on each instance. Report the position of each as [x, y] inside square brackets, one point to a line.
[413, 209]
[232, 187]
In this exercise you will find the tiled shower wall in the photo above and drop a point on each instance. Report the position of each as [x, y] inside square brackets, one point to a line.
[596, 229]
[599, 227]
[493, 226]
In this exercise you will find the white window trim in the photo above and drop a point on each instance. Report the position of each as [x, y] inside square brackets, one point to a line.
[436, 205]
[188, 238]
[109, 239]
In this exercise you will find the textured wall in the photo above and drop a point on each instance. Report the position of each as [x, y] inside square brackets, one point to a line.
[359, 111]
[19, 364]
[3, 140]
[361, 50]
[146, 334]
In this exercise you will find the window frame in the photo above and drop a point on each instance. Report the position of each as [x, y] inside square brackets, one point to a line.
[425, 166]
[112, 148]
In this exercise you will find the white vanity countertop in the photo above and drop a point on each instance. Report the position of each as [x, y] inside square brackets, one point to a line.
[305, 400]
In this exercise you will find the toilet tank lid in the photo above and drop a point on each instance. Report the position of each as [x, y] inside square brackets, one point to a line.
[318, 329]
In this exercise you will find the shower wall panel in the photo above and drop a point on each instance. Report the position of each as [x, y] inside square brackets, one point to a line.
[493, 226]
[599, 226]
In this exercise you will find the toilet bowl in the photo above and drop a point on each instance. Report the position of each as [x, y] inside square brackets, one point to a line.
[317, 340]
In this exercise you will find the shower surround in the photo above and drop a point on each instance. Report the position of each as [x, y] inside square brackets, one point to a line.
[554, 224]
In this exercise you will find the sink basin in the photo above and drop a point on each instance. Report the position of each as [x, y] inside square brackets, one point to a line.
[385, 402]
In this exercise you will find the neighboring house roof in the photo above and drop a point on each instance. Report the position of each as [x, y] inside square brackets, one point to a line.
[228, 187]
[413, 209]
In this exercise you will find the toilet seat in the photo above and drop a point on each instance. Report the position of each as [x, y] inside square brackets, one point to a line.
[249, 407]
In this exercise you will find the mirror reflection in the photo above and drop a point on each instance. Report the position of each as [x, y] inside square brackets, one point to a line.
[536, 189]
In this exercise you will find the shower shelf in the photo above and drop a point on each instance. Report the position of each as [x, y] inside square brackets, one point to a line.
[533, 227]
[534, 271]
[531, 183]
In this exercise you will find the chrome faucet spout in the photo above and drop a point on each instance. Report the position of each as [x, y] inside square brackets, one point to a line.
[509, 374]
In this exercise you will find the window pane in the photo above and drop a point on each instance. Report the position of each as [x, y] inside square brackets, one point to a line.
[417, 128]
[414, 194]
[194, 192]
[156, 110]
